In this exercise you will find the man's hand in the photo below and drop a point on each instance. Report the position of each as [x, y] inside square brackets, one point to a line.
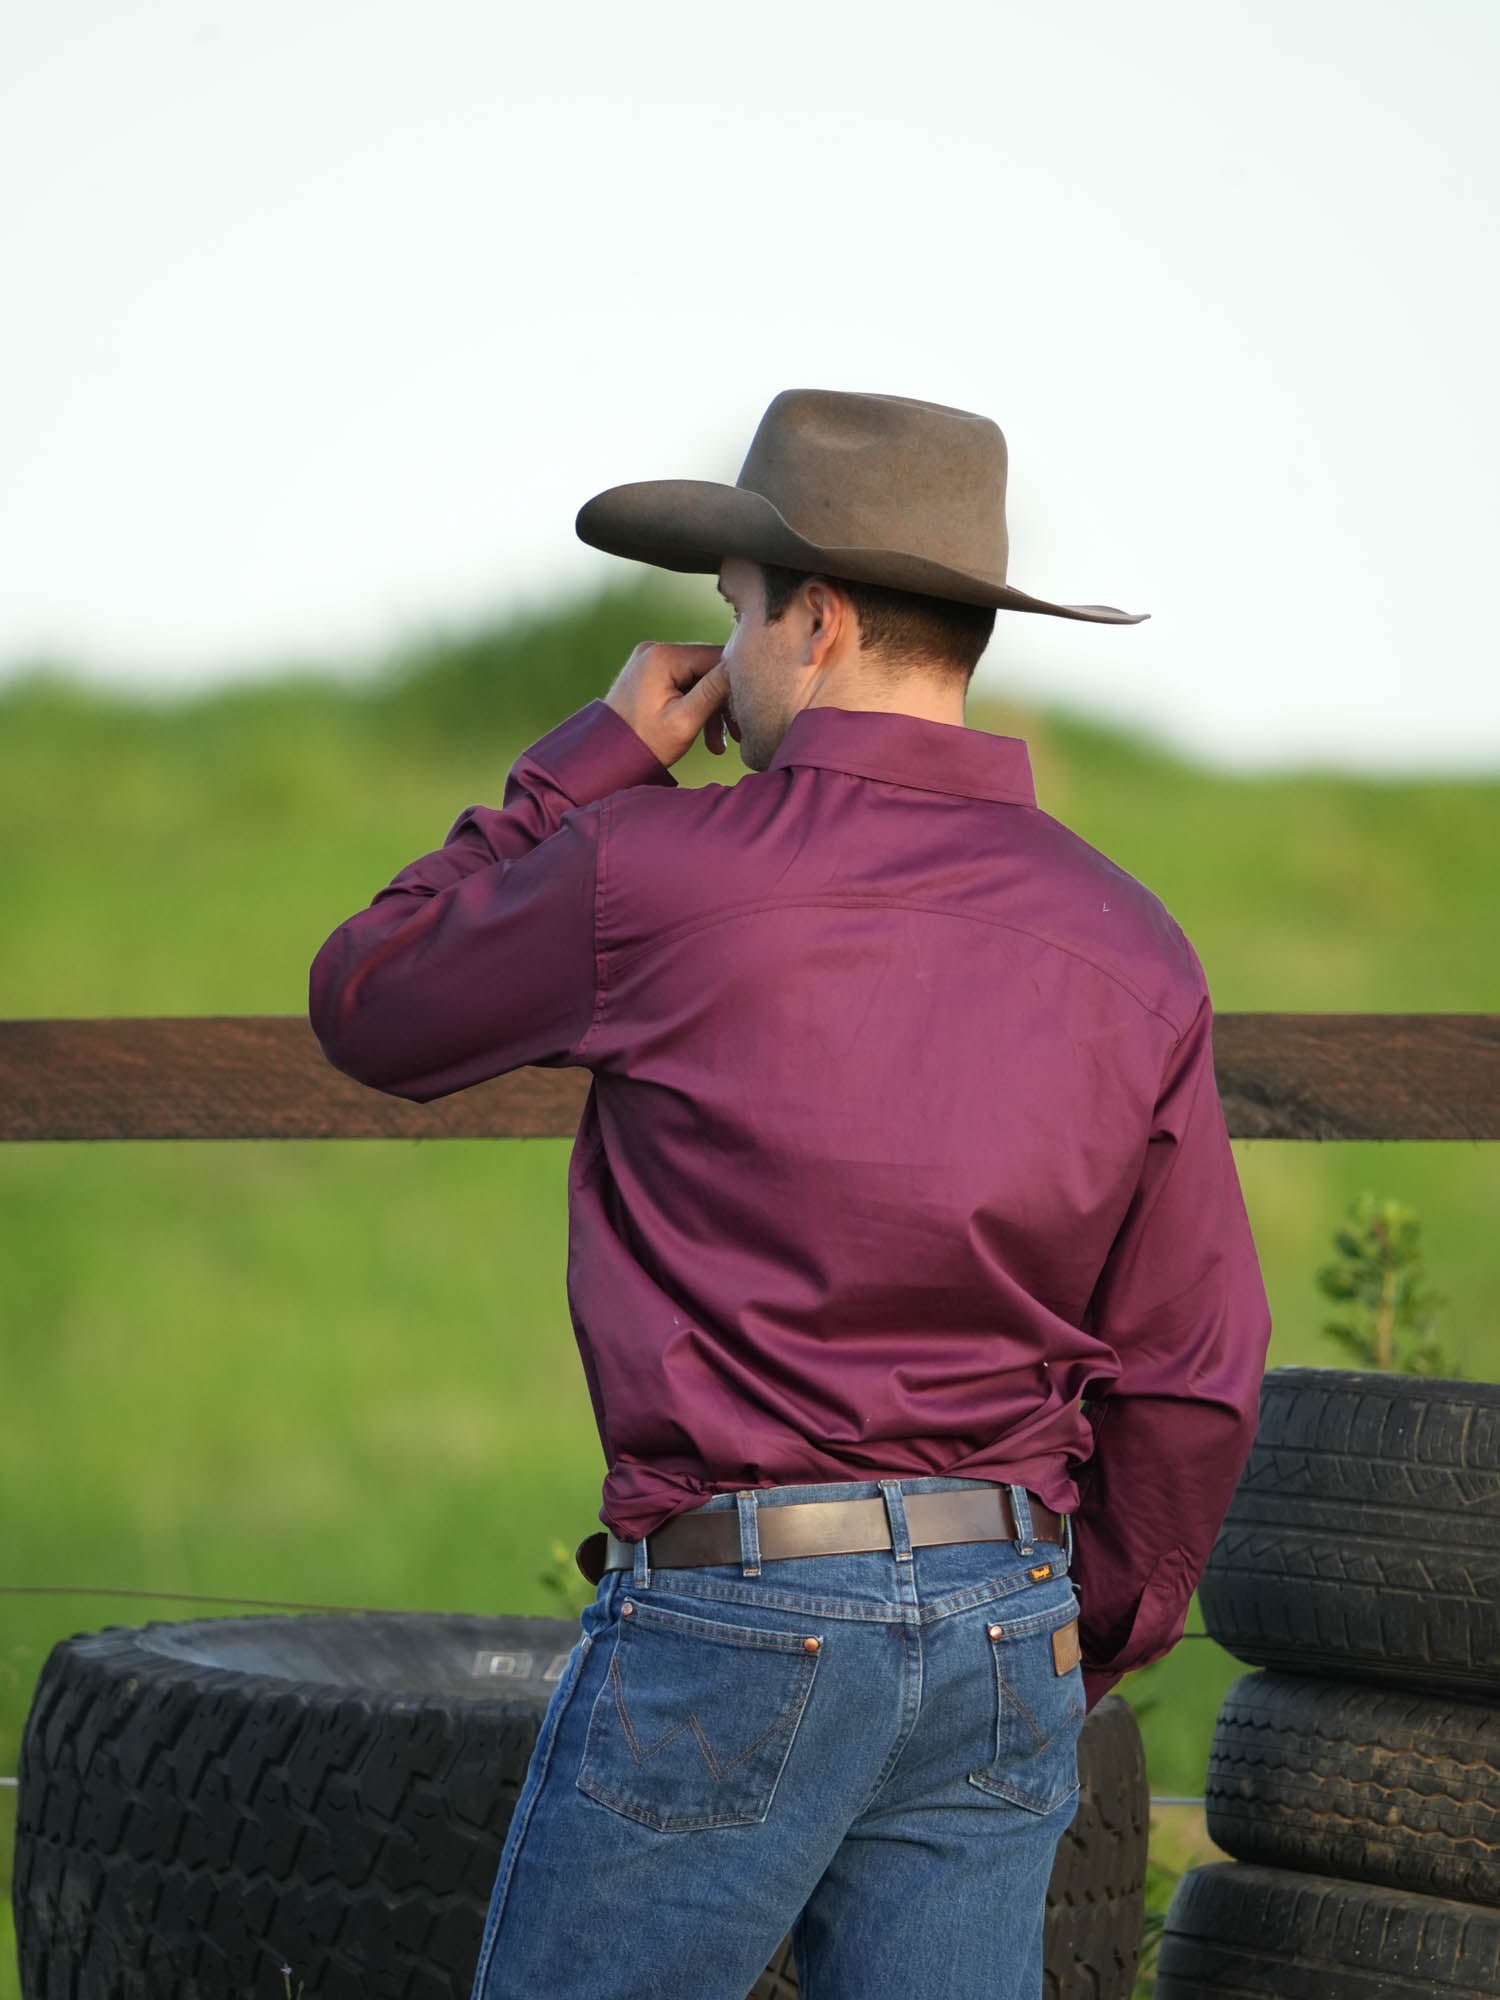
[668, 693]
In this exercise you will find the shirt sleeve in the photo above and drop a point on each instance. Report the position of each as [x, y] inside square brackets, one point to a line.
[1181, 1300]
[480, 957]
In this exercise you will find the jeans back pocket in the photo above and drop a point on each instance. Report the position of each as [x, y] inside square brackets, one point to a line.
[1037, 1712]
[694, 1722]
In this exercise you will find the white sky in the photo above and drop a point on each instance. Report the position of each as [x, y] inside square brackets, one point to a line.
[325, 316]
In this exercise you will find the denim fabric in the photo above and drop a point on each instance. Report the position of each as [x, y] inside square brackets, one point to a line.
[704, 1781]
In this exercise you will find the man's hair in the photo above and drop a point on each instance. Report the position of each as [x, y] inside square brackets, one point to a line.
[899, 628]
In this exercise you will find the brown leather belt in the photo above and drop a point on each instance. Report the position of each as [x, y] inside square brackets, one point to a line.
[822, 1528]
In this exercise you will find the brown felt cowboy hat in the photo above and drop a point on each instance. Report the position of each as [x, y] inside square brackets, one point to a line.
[879, 489]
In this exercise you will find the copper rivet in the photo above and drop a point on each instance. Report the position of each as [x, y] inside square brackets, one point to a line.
[994, 1631]
[627, 1610]
[811, 1645]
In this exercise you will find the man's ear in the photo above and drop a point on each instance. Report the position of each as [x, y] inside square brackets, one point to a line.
[830, 614]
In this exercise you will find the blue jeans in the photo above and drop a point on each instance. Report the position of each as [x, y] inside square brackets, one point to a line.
[873, 1752]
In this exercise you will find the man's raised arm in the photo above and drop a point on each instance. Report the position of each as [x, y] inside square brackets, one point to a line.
[479, 957]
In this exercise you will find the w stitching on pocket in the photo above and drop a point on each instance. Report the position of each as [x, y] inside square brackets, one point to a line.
[1033, 1776]
[1012, 1694]
[690, 1722]
[661, 1745]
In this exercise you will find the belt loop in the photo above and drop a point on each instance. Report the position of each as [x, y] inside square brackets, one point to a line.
[1020, 1507]
[641, 1572]
[895, 1511]
[1067, 1521]
[748, 1507]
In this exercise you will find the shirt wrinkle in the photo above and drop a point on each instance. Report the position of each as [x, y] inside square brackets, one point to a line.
[600, 976]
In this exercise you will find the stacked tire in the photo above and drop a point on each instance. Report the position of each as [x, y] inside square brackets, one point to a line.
[202, 1801]
[1355, 1778]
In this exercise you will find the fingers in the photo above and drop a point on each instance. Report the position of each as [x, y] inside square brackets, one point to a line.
[705, 703]
[710, 689]
[670, 653]
[669, 691]
[701, 661]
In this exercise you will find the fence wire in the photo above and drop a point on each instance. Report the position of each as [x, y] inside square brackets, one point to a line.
[192, 1597]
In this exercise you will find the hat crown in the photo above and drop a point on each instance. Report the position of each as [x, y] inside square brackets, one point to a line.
[880, 489]
[863, 471]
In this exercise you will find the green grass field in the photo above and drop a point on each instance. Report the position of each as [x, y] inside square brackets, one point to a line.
[343, 1372]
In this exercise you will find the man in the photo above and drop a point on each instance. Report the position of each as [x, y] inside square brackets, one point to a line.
[909, 1268]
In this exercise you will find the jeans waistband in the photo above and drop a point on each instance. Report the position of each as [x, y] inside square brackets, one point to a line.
[747, 1501]
[849, 1489]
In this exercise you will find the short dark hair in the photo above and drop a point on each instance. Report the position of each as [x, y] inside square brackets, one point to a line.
[902, 628]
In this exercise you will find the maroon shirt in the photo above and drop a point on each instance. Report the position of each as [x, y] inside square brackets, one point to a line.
[903, 1135]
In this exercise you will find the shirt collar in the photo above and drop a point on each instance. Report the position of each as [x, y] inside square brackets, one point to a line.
[910, 750]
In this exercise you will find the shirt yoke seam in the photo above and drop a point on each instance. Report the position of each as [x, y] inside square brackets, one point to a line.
[623, 956]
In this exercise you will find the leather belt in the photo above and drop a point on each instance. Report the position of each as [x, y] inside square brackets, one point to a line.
[822, 1528]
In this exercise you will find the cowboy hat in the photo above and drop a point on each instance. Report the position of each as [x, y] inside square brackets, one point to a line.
[878, 489]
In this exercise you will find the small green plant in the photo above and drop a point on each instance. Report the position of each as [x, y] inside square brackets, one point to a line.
[286, 1980]
[1379, 1276]
[1161, 1881]
[566, 1582]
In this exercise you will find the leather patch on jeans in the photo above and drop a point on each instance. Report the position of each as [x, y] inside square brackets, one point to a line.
[1065, 1653]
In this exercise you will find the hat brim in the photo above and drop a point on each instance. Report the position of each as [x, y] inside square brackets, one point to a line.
[693, 524]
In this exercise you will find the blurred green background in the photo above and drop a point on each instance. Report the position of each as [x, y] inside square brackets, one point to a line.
[343, 1372]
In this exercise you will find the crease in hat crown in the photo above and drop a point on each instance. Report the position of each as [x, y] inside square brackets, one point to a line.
[874, 488]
